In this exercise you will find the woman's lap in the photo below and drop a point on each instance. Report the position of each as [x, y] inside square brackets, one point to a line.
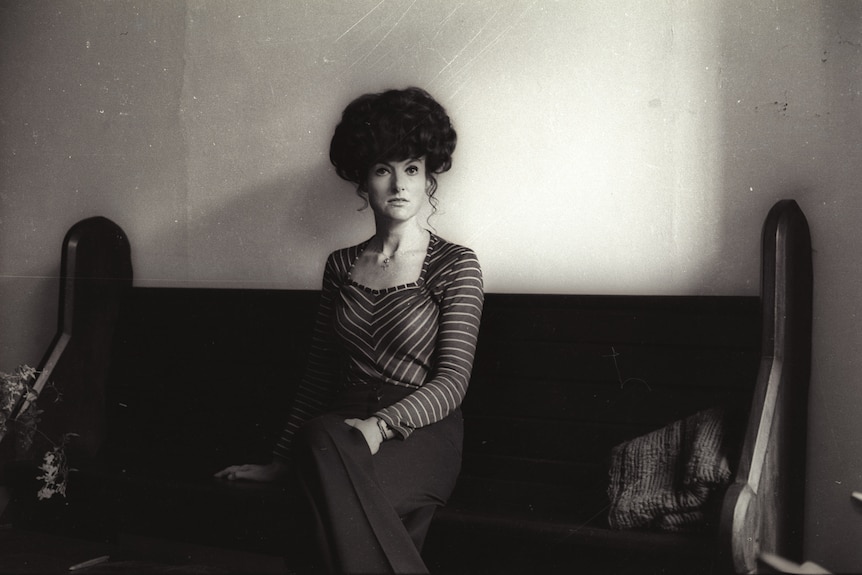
[371, 512]
[413, 473]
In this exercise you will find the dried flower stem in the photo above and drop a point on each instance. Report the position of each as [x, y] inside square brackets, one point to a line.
[18, 409]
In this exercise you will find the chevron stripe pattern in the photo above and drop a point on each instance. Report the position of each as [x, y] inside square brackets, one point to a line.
[421, 335]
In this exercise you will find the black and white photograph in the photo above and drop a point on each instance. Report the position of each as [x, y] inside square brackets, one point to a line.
[452, 287]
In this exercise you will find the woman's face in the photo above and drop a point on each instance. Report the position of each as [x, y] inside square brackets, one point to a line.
[396, 190]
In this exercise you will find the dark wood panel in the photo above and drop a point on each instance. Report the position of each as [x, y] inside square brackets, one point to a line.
[656, 365]
[712, 321]
[635, 402]
[546, 439]
[178, 323]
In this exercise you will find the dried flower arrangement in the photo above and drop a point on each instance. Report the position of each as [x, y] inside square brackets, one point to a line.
[17, 388]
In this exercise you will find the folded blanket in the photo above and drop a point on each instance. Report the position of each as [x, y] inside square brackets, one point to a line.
[664, 479]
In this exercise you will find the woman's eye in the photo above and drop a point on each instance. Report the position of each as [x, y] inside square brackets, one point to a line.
[412, 170]
[380, 171]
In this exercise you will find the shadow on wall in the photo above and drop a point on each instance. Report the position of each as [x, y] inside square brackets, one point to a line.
[20, 296]
[834, 521]
[274, 234]
[769, 89]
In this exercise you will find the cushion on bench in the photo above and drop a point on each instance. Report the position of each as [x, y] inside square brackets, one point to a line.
[666, 479]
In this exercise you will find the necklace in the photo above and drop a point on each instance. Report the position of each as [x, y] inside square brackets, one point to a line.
[387, 259]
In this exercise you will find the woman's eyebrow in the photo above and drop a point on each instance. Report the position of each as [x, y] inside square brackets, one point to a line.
[391, 163]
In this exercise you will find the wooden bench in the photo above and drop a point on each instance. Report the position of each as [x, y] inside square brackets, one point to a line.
[195, 379]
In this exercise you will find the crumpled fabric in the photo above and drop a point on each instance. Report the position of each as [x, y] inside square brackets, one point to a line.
[663, 480]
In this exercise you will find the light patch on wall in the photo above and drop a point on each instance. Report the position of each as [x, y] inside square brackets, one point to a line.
[593, 153]
[588, 154]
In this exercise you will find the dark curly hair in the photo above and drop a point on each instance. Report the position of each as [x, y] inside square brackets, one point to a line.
[392, 125]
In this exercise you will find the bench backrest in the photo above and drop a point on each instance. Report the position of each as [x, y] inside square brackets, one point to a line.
[205, 374]
[201, 378]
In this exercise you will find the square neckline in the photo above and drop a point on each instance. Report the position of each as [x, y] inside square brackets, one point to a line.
[418, 282]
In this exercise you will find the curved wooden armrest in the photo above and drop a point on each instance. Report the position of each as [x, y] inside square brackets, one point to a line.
[95, 275]
[763, 510]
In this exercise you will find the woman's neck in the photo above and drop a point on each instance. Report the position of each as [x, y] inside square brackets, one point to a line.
[400, 237]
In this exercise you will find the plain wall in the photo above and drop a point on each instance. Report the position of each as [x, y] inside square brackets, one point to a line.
[604, 147]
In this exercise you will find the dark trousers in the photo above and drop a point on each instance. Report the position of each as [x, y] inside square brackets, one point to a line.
[370, 513]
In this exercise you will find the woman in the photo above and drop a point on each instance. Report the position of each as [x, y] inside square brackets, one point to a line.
[374, 433]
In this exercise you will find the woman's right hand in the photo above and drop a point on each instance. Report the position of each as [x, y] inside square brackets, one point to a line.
[253, 472]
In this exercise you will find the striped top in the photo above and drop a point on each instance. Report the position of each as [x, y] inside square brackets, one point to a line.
[420, 335]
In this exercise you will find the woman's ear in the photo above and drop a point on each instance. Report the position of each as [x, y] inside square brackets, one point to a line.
[362, 193]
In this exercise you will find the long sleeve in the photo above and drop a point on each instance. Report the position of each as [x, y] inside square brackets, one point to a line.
[322, 370]
[461, 298]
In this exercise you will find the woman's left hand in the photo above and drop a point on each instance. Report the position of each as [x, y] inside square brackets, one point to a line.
[369, 430]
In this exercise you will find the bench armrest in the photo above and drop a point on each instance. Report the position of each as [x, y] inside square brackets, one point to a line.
[95, 275]
[763, 509]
